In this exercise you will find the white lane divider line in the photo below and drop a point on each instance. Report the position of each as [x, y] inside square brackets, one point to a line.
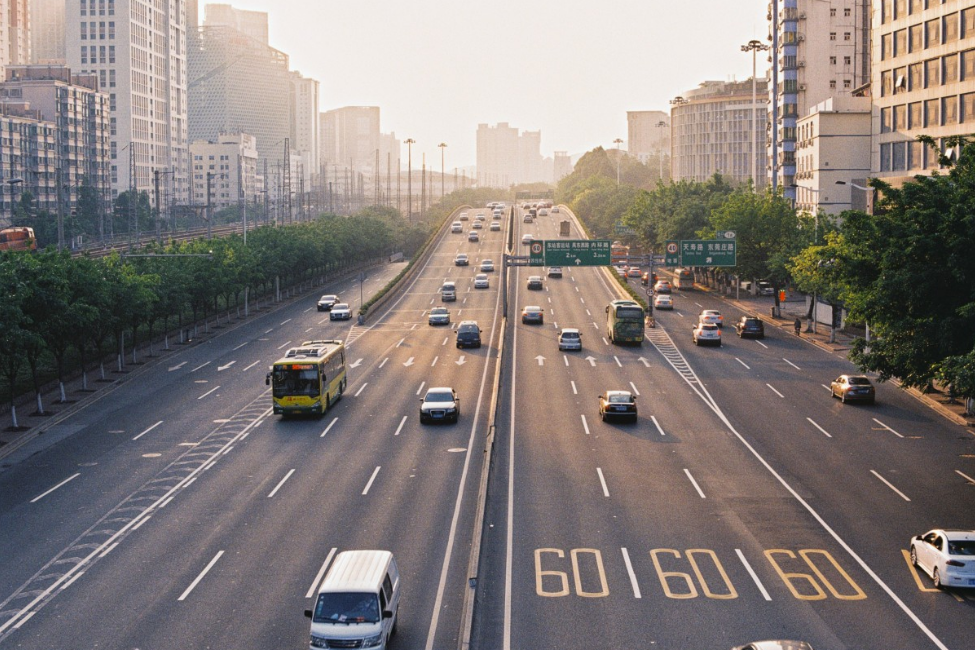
[70, 478]
[618, 361]
[565, 358]
[887, 427]
[329, 427]
[282, 482]
[751, 572]
[585, 425]
[384, 362]
[890, 485]
[371, 479]
[251, 366]
[657, 424]
[200, 577]
[204, 365]
[694, 483]
[401, 423]
[775, 391]
[742, 363]
[284, 322]
[762, 344]
[629, 570]
[362, 388]
[965, 476]
[148, 430]
[400, 342]
[825, 432]
[434, 361]
[321, 574]
[240, 346]
[791, 364]
[602, 481]
[212, 390]
[71, 581]
[283, 345]
[635, 391]
[575, 391]
[826, 387]
[422, 384]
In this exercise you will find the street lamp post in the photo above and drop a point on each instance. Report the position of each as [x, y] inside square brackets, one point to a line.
[409, 178]
[618, 142]
[754, 47]
[443, 146]
[663, 124]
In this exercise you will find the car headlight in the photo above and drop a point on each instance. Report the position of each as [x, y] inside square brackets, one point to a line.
[318, 642]
[372, 641]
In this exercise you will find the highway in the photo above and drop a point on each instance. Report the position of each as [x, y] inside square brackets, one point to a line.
[176, 512]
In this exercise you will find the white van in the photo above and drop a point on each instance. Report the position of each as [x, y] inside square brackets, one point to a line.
[448, 292]
[357, 602]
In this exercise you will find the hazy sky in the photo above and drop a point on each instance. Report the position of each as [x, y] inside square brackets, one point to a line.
[570, 68]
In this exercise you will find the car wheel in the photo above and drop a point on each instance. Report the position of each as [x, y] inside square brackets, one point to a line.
[936, 579]
[913, 556]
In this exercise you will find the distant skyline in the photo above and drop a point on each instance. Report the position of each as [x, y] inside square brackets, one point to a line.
[569, 68]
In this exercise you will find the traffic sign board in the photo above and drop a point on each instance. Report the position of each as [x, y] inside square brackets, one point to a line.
[672, 257]
[708, 252]
[577, 252]
[536, 253]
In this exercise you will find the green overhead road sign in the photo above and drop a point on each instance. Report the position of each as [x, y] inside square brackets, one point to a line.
[708, 252]
[576, 252]
[536, 253]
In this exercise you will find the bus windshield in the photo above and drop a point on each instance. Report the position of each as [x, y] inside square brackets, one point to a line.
[289, 381]
[629, 313]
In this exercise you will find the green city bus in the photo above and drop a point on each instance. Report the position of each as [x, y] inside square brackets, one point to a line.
[625, 322]
[309, 378]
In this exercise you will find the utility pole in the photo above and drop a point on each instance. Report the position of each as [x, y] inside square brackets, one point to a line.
[155, 182]
[423, 186]
[207, 207]
[409, 177]
[287, 177]
[266, 211]
[399, 183]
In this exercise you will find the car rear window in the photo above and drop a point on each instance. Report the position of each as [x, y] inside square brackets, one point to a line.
[619, 399]
[859, 381]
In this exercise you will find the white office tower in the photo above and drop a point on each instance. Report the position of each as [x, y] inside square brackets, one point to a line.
[227, 168]
[506, 157]
[250, 23]
[304, 125]
[138, 50]
[14, 33]
[47, 31]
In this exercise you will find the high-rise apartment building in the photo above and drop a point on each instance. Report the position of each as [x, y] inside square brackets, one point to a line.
[55, 135]
[561, 165]
[47, 38]
[648, 134]
[350, 137]
[14, 32]
[137, 49]
[822, 53]
[304, 124]
[712, 132]
[228, 167]
[505, 157]
[923, 82]
[251, 23]
[238, 84]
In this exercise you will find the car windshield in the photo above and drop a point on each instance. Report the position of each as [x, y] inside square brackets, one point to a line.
[439, 311]
[570, 335]
[341, 306]
[961, 547]
[619, 399]
[347, 608]
[439, 396]
[859, 381]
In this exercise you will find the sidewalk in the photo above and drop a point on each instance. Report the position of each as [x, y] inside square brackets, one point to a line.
[796, 308]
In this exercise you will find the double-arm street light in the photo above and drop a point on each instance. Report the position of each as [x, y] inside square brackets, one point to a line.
[409, 177]
[443, 146]
[754, 47]
[619, 156]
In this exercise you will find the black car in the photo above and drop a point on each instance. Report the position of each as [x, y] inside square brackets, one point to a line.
[750, 326]
[326, 302]
[535, 282]
[617, 404]
[468, 334]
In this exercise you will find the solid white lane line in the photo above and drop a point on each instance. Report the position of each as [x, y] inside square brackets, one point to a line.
[635, 391]
[890, 485]
[422, 384]
[108, 550]
[215, 388]
[751, 572]
[575, 391]
[791, 364]
[41, 496]
[284, 345]
[384, 362]
[321, 574]
[71, 581]
[371, 479]
[585, 425]
[742, 363]
[775, 391]
[204, 365]
[602, 481]
[657, 424]
[887, 427]
[148, 430]
[401, 423]
[278, 486]
[24, 620]
[329, 427]
[694, 483]
[965, 476]
[819, 427]
[362, 388]
[629, 570]
[251, 366]
[699, 305]
[200, 577]
[618, 361]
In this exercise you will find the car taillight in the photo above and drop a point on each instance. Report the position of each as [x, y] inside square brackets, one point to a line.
[954, 563]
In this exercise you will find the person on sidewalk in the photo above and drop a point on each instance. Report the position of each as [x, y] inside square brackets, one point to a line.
[798, 326]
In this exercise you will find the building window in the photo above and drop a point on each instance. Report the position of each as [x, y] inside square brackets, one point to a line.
[949, 110]
[968, 108]
[932, 29]
[885, 119]
[899, 154]
[949, 69]
[847, 36]
[847, 84]
[885, 157]
[847, 13]
[84, 54]
[832, 36]
[931, 68]
[886, 43]
[916, 6]
[951, 28]
[847, 60]
[832, 13]
[900, 118]
[968, 65]
[832, 84]
[900, 8]
[900, 80]
[915, 155]
[832, 60]
[886, 83]
[932, 114]
[915, 116]
[917, 37]
[968, 22]
[900, 42]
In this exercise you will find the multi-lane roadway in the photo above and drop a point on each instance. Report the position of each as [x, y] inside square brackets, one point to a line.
[178, 512]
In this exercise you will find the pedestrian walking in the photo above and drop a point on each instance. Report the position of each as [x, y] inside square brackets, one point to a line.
[798, 326]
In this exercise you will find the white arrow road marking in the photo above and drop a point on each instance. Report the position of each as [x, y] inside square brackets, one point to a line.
[592, 361]
[461, 361]
[356, 364]
[644, 362]
[224, 367]
[408, 362]
[541, 360]
[177, 367]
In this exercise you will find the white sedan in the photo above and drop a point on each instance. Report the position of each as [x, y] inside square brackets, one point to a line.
[948, 556]
[481, 281]
[340, 311]
[663, 301]
[707, 334]
[711, 317]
